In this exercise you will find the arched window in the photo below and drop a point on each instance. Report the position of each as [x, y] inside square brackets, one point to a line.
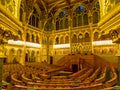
[95, 17]
[61, 24]
[85, 19]
[96, 13]
[80, 16]
[79, 20]
[74, 21]
[98, 5]
[62, 14]
[50, 25]
[62, 21]
[33, 20]
[57, 25]
[66, 23]
[79, 9]
[37, 22]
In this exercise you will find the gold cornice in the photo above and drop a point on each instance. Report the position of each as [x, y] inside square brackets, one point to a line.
[109, 15]
[8, 24]
[30, 27]
[9, 16]
[113, 23]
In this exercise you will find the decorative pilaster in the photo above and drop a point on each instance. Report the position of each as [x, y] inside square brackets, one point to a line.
[69, 28]
[47, 48]
[91, 29]
[28, 9]
[53, 36]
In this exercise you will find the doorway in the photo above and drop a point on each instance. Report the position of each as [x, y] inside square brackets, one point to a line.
[74, 68]
[51, 59]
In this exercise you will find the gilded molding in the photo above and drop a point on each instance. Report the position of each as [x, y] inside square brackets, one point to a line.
[9, 16]
[109, 16]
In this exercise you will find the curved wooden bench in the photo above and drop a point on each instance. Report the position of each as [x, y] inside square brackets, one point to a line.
[102, 78]
[15, 80]
[113, 79]
[84, 76]
[79, 73]
[93, 76]
[25, 79]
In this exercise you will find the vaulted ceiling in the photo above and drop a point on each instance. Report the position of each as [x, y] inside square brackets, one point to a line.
[52, 6]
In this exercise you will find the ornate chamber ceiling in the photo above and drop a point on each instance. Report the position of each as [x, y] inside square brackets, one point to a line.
[47, 9]
[52, 6]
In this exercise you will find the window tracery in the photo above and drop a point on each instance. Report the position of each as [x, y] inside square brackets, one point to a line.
[62, 20]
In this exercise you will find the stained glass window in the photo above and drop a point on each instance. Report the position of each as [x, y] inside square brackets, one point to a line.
[61, 14]
[79, 20]
[80, 8]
